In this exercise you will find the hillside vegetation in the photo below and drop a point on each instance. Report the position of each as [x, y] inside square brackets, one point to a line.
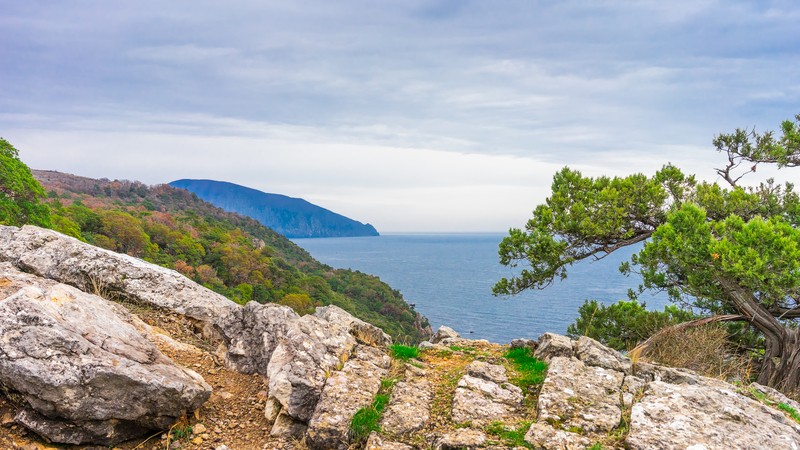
[230, 254]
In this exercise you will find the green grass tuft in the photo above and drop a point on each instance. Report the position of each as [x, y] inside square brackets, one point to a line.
[366, 420]
[514, 437]
[531, 371]
[404, 352]
[791, 411]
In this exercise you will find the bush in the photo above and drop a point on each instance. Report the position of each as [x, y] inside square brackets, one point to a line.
[624, 324]
[704, 349]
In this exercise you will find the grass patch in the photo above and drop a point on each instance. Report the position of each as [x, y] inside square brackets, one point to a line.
[789, 410]
[596, 446]
[793, 413]
[404, 352]
[514, 437]
[366, 420]
[530, 371]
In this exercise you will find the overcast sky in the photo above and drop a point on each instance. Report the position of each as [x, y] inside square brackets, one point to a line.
[410, 115]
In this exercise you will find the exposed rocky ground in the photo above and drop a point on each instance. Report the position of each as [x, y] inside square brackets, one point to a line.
[155, 362]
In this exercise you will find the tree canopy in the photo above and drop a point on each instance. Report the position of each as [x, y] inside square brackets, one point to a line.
[718, 249]
[20, 193]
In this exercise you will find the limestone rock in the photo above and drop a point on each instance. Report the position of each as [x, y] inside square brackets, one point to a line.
[409, 407]
[712, 417]
[55, 256]
[632, 388]
[551, 345]
[576, 395]
[363, 332]
[345, 392]
[542, 436]
[84, 371]
[308, 352]
[593, 353]
[775, 395]
[375, 442]
[252, 333]
[286, 426]
[444, 332]
[461, 439]
[484, 394]
[523, 343]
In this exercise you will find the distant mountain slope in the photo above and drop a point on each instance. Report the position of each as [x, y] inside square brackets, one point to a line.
[291, 217]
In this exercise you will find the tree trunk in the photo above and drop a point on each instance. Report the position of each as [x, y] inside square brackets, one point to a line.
[780, 368]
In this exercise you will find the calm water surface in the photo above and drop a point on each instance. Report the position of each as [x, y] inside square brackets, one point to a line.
[449, 277]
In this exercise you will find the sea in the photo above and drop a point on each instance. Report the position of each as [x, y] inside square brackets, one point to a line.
[449, 278]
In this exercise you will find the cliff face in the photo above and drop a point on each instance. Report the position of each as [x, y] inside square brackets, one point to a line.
[99, 348]
[291, 217]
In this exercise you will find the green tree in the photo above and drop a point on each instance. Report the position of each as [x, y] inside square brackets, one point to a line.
[721, 250]
[20, 193]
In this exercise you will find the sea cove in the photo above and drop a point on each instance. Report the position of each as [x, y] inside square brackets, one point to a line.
[449, 278]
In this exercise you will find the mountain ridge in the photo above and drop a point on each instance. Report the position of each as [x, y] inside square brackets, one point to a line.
[290, 216]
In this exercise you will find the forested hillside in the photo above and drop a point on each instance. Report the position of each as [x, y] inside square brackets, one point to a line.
[231, 254]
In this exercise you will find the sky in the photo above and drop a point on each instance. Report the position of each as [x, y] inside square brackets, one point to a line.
[438, 116]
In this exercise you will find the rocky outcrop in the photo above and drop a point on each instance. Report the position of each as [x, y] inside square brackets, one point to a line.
[345, 392]
[484, 394]
[409, 407]
[55, 256]
[541, 435]
[83, 369]
[707, 416]
[84, 372]
[578, 396]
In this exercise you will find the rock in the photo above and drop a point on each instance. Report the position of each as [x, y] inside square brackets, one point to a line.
[523, 343]
[375, 442]
[310, 350]
[461, 439]
[593, 353]
[85, 373]
[775, 396]
[425, 345]
[253, 333]
[551, 345]
[632, 388]
[543, 436]
[345, 392]
[198, 428]
[286, 426]
[409, 407]
[484, 394]
[702, 416]
[364, 332]
[442, 333]
[55, 256]
[579, 396]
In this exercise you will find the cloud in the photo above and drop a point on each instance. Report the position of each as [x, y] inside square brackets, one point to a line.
[609, 86]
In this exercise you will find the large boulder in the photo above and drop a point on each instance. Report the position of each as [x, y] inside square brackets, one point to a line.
[309, 351]
[253, 333]
[707, 416]
[81, 368]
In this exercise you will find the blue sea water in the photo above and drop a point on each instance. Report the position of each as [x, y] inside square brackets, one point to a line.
[449, 277]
